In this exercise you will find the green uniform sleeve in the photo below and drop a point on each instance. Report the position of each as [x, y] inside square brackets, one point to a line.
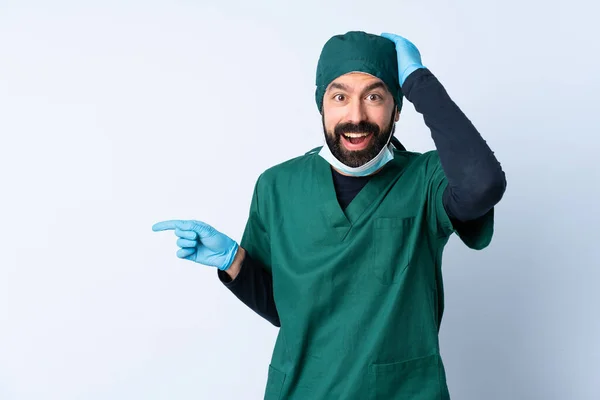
[476, 234]
[255, 239]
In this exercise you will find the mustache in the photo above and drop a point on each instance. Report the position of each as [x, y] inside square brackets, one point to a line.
[362, 126]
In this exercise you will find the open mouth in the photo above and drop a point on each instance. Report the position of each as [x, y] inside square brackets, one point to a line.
[356, 141]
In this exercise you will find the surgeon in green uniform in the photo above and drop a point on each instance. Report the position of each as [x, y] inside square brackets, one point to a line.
[346, 240]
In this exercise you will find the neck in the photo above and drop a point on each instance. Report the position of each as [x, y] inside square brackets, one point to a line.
[342, 173]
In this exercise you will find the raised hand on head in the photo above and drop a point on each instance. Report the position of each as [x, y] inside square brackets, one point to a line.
[409, 57]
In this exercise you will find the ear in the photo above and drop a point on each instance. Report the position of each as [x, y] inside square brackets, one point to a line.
[397, 116]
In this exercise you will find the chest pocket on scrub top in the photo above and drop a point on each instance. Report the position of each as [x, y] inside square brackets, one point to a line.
[392, 248]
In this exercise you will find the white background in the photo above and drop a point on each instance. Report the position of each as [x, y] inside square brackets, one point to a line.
[117, 115]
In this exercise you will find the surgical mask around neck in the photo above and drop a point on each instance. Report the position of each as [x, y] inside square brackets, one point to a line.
[385, 155]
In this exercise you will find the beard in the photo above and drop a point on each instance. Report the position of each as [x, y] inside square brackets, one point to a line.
[356, 158]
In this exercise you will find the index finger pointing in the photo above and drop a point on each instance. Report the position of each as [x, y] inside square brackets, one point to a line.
[166, 225]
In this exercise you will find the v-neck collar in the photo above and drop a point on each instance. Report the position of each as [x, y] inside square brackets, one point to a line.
[343, 220]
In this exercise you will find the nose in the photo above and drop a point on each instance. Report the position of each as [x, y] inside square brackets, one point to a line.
[356, 112]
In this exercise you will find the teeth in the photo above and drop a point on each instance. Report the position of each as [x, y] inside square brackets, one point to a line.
[355, 135]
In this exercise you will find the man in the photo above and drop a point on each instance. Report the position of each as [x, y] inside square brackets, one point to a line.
[343, 245]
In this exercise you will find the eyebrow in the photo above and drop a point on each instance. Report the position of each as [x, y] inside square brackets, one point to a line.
[341, 86]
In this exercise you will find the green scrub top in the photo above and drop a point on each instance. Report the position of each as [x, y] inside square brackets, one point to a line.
[358, 291]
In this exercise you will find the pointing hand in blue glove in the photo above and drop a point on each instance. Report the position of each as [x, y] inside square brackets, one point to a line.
[201, 243]
[409, 58]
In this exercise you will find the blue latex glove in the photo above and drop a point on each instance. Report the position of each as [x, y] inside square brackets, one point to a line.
[409, 58]
[201, 243]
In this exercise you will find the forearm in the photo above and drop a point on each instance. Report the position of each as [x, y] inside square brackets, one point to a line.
[252, 284]
[476, 181]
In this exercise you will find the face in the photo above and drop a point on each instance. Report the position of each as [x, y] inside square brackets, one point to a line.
[358, 117]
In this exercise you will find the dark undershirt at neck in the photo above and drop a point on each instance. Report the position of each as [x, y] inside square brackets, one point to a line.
[347, 187]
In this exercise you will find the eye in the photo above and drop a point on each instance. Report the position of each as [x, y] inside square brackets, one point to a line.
[339, 97]
[374, 97]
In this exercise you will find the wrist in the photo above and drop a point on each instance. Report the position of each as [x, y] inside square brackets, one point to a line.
[409, 70]
[234, 269]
